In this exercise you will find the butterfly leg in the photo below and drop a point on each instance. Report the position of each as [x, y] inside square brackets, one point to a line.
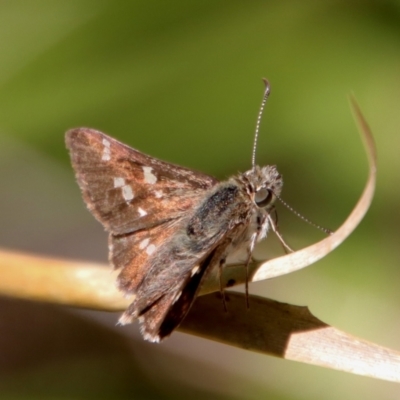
[221, 255]
[274, 226]
[261, 230]
[253, 241]
[222, 263]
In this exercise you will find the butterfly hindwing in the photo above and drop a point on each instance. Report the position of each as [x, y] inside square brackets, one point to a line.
[133, 253]
[167, 292]
[174, 274]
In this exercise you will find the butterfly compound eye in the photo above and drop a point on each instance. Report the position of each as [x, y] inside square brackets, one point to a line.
[263, 197]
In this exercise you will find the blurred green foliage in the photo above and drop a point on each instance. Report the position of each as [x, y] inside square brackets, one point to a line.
[182, 81]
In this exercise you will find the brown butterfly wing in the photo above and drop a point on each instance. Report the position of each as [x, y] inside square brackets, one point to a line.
[167, 291]
[160, 320]
[127, 190]
[144, 204]
[175, 272]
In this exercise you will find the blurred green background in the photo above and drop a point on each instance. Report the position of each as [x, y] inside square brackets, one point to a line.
[182, 81]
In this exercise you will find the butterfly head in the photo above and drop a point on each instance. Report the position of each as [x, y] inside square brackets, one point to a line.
[264, 184]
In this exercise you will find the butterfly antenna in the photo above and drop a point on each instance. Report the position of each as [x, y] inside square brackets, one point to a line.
[321, 228]
[260, 113]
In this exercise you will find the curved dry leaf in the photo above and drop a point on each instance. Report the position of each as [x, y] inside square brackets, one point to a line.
[309, 255]
[290, 332]
[273, 328]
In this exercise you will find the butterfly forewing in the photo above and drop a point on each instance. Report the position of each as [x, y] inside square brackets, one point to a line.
[144, 203]
[127, 190]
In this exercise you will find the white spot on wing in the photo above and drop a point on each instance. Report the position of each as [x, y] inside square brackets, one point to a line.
[127, 193]
[195, 270]
[148, 336]
[158, 193]
[149, 177]
[144, 243]
[125, 319]
[106, 156]
[150, 249]
[142, 212]
[119, 182]
[177, 297]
